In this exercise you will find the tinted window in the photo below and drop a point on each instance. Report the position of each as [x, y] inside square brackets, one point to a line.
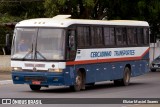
[83, 36]
[120, 36]
[96, 36]
[140, 37]
[146, 35]
[109, 36]
[132, 36]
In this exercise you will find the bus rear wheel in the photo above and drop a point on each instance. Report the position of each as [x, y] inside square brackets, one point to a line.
[35, 87]
[126, 78]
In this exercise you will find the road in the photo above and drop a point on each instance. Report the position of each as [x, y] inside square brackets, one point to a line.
[145, 86]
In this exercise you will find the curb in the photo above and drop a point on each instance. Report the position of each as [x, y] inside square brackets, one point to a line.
[3, 82]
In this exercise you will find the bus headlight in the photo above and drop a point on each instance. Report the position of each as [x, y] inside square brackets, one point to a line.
[55, 70]
[16, 68]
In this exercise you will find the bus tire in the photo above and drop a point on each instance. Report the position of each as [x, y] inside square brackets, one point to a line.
[91, 84]
[117, 82]
[35, 87]
[153, 70]
[126, 78]
[78, 82]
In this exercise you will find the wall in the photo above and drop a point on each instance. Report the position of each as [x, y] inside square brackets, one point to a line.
[5, 63]
[154, 50]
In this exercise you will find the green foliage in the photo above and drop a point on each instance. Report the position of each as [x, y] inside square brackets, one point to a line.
[51, 8]
[88, 3]
[61, 2]
[17, 10]
[54, 7]
[5, 18]
[23, 9]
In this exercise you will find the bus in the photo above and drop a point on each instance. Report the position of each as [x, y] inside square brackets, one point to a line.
[78, 52]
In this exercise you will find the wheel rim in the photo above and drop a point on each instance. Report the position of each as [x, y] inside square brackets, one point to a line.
[78, 82]
[127, 76]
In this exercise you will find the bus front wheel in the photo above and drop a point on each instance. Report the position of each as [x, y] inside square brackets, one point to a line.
[126, 78]
[79, 82]
[35, 87]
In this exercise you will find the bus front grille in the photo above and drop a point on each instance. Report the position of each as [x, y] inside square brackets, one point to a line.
[35, 78]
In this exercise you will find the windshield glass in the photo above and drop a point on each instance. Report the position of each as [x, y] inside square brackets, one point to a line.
[23, 42]
[38, 44]
[50, 44]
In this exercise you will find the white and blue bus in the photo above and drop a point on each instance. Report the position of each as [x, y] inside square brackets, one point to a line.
[74, 52]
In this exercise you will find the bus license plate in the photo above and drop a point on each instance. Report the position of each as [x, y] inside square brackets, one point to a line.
[36, 82]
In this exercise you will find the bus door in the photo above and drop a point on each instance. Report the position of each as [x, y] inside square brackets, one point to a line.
[70, 56]
[71, 45]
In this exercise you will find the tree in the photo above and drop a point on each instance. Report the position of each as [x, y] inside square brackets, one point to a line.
[14, 11]
[148, 10]
[22, 8]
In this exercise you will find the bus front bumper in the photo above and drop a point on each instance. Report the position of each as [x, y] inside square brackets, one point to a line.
[38, 78]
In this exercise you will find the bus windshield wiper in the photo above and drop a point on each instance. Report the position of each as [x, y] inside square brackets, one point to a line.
[40, 55]
[28, 53]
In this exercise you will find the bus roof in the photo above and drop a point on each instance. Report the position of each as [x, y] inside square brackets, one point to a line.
[65, 21]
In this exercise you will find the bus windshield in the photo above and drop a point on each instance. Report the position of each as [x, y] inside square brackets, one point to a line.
[38, 44]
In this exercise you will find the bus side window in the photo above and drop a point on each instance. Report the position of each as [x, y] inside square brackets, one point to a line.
[71, 48]
[120, 33]
[146, 36]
